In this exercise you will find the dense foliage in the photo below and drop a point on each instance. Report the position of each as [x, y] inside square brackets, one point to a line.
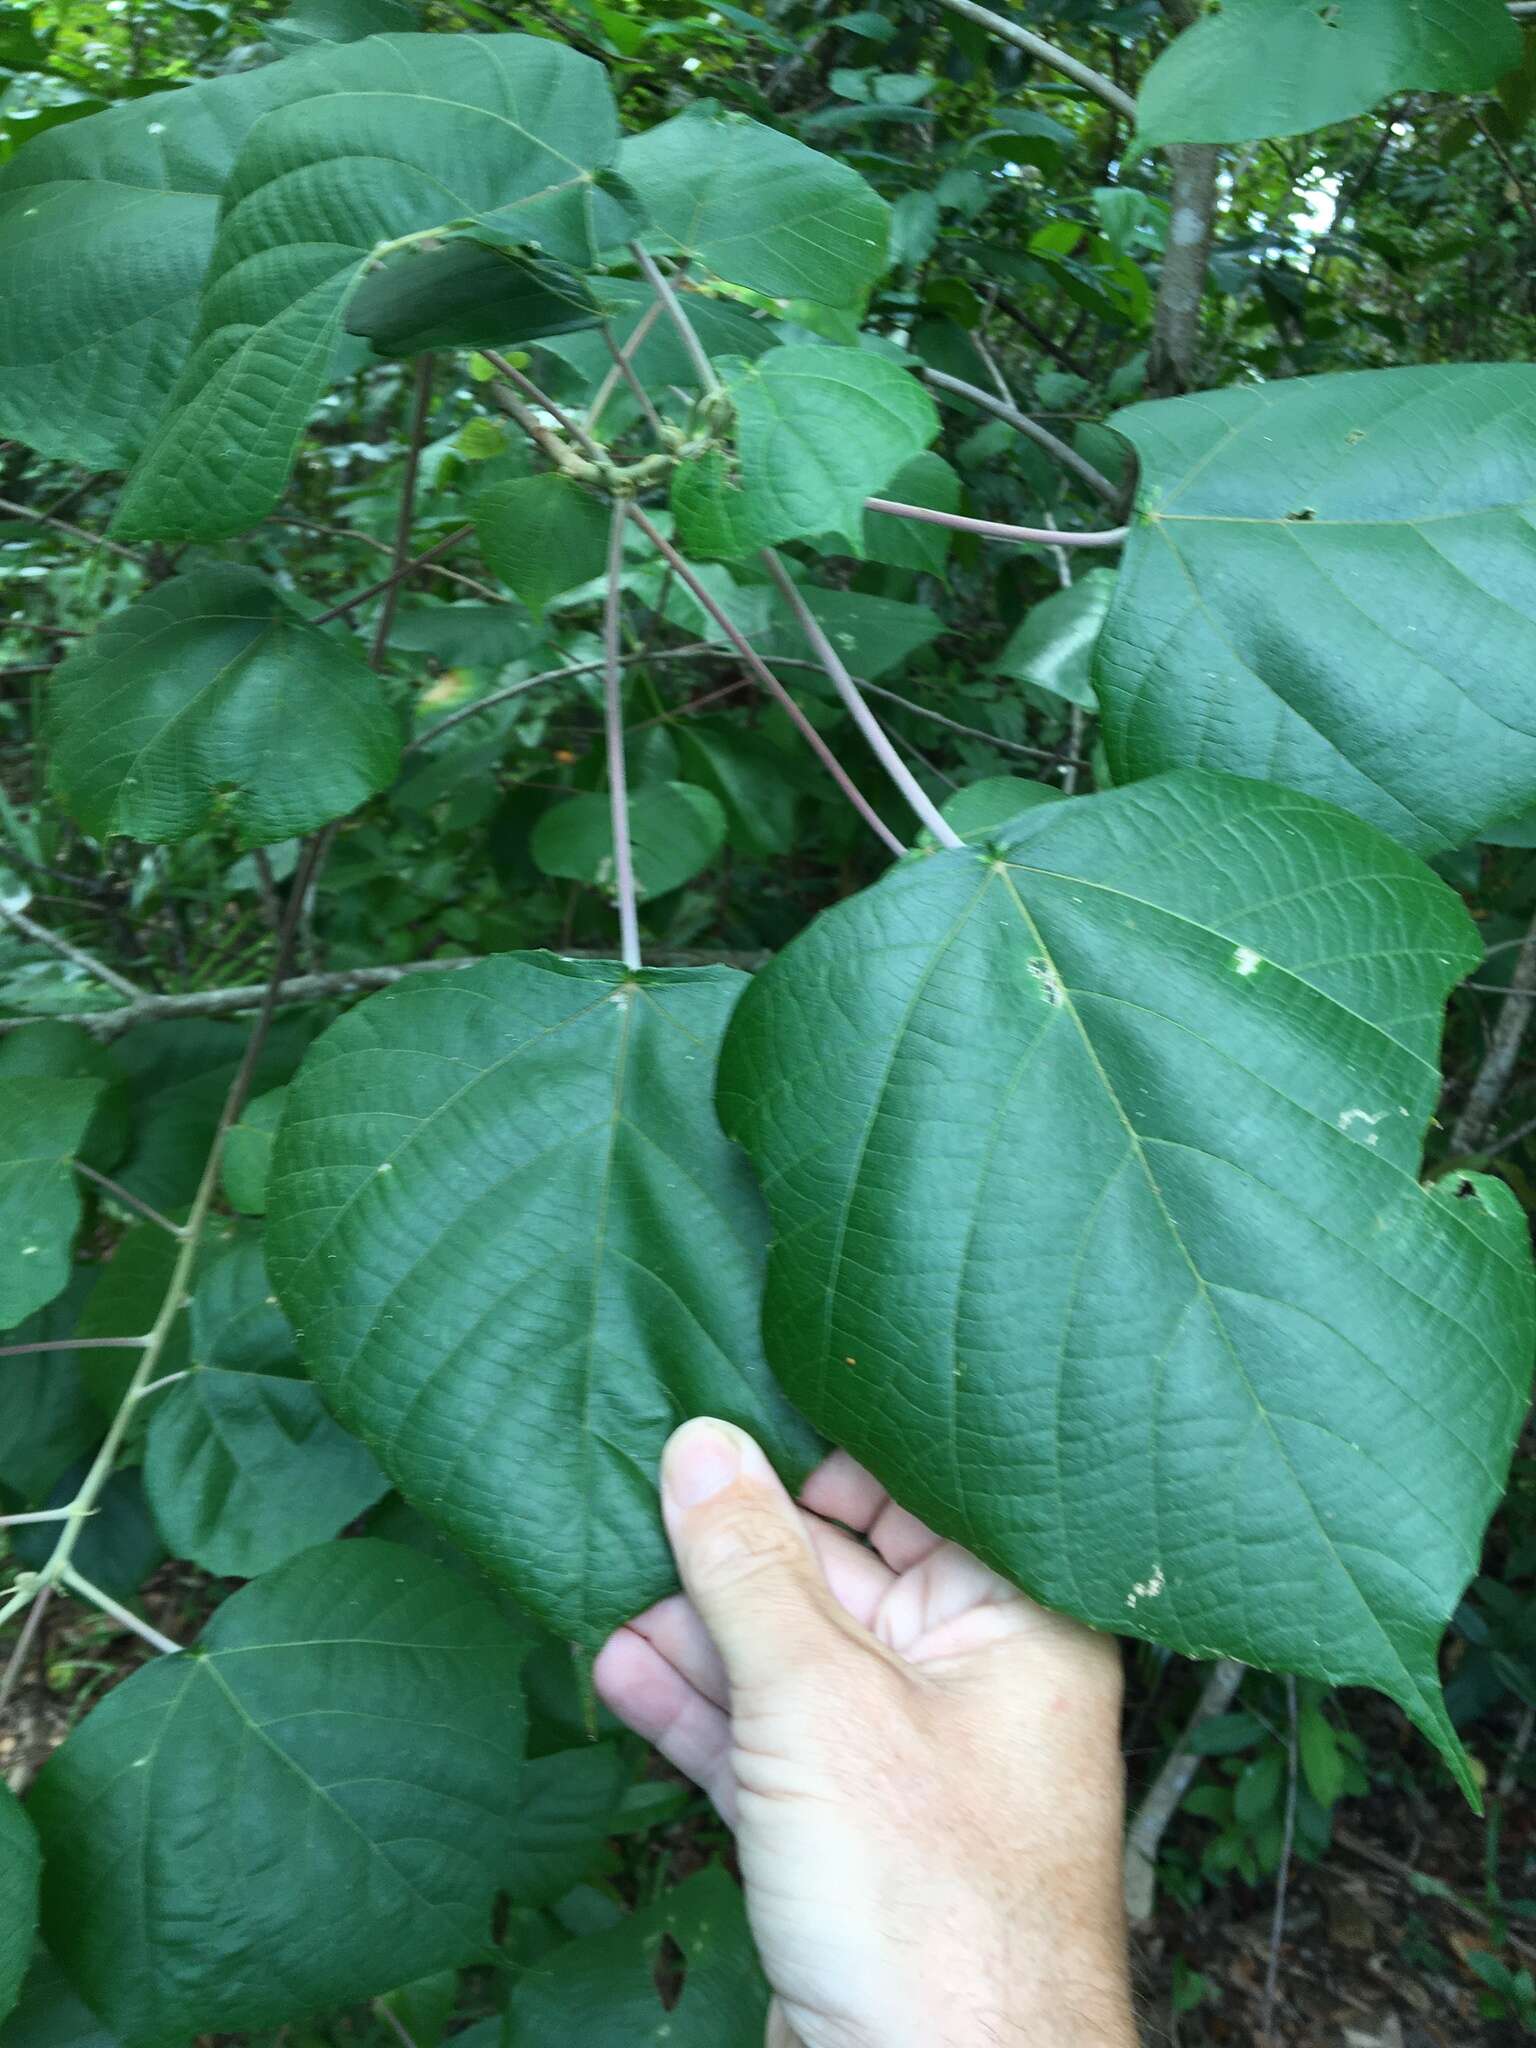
[933, 635]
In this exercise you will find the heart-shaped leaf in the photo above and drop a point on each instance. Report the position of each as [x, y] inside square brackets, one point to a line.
[207, 702]
[1280, 67]
[518, 1252]
[759, 208]
[1310, 596]
[353, 1721]
[414, 133]
[1093, 1164]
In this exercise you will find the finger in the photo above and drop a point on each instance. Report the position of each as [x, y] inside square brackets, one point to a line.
[651, 1696]
[857, 1579]
[745, 1558]
[842, 1489]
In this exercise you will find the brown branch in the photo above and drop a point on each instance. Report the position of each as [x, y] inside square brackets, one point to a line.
[95, 540]
[1499, 1061]
[1081, 74]
[421, 405]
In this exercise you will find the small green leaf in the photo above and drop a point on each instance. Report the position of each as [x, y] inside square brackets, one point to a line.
[414, 133]
[1320, 594]
[518, 1252]
[210, 703]
[602, 1991]
[43, 1122]
[819, 430]
[542, 536]
[914, 543]
[243, 1471]
[1168, 1196]
[309, 22]
[978, 811]
[20, 1865]
[47, 1417]
[248, 1152]
[675, 829]
[1322, 1761]
[354, 1721]
[1052, 646]
[759, 208]
[567, 1811]
[1283, 67]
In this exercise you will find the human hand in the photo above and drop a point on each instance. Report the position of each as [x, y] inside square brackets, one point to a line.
[922, 1766]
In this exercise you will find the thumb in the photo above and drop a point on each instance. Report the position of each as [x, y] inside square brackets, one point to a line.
[743, 1556]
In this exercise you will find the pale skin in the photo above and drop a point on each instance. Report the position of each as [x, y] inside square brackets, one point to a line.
[920, 1765]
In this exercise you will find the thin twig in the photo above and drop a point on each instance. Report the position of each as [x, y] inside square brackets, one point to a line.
[613, 728]
[1499, 1061]
[1282, 1876]
[75, 1343]
[422, 561]
[1081, 74]
[121, 1194]
[531, 390]
[17, 1661]
[114, 1608]
[770, 683]
[641, 396]
[1021, 423]
[651, 272]
[998, 529]
[901, 775]
[66, 950]
[95, 540]
[627, 354]
[1145, 1834]
[421, 405]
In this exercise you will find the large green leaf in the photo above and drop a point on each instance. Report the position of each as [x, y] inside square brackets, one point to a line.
[106, 228]
[602, 1991]
[675, 829]
[308, 1811]
[518, 1252]
[461, 293]
[414, 133]
[210, 702]
[43, 1122]
[1331, 583]
[819, 430]
[1093, 1159]
[759, 208]
[1280, 67]
[20, 1863]
[242, 1465]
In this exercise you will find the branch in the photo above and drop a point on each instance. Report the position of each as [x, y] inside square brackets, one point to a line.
[420, 406]
[1171, 363]
[94, 540]
[770, 683]
[531, 390]
[1021, 423]
[349, 604]
[613, 725]
[997, 529]
[1081, 74]
[97, 969]
[1168, 1788]
[649, 270]
[1499, 1061]
[59, 1569]
[874, 732]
